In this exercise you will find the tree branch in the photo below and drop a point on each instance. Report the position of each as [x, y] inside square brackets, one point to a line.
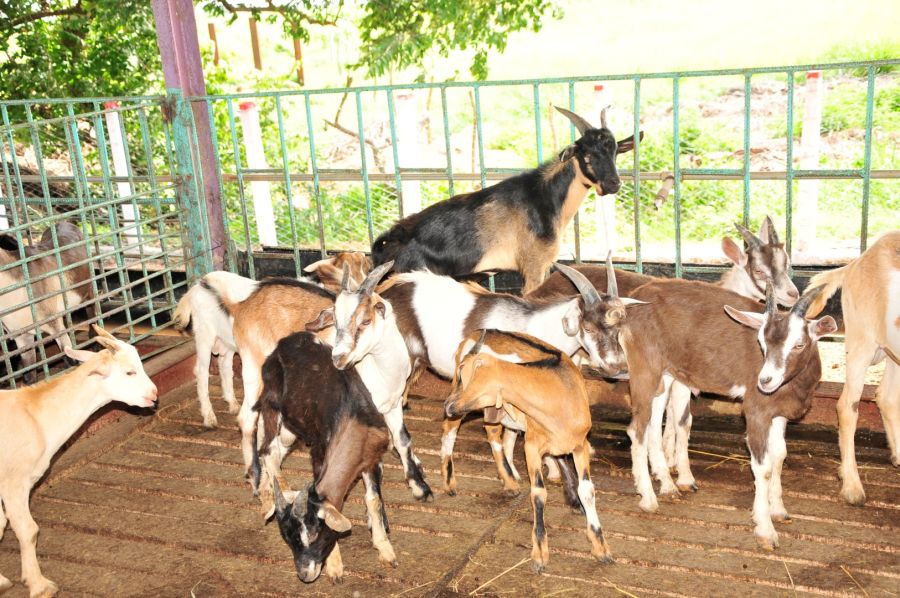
[284, 11]
[77, 9]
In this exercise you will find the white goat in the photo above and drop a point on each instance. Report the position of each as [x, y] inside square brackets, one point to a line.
[871, 305]
[35, 421]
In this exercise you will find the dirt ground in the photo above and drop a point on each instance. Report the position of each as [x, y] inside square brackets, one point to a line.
[155, 505]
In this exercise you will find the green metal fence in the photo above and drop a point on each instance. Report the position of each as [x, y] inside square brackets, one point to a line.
[120, 172]
[336, 167]
[338, 175]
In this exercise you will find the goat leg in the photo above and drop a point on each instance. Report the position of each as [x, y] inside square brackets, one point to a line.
[378, 517]
[569, 482]
[540, 551]
[586, 493]
[26, 530]
[504, 465]
[448, 441]
[403, 443]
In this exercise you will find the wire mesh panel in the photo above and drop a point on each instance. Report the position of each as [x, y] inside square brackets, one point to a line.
[91, 228]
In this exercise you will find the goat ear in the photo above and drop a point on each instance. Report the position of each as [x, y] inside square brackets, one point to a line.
[733, 252]
[822, 327]
[316, 265]
[102, 369]
[572, 320]
[334, 518]
[323, 321]
[567, 153]
[78, 354]
[498, 402]
[628, 301]
[627, 144]
[750, 319]
[380, 308]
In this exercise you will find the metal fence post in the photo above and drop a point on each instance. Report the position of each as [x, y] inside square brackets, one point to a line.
[197, 249]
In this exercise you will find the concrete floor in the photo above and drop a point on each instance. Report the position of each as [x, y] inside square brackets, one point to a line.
[155, 505]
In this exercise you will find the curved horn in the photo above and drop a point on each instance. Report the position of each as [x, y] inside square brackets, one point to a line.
[345, 280]
[584, 286]
[751, 239]
[603, 118]
[612, 288]
[770, 299]
[773, 234]
[374, 277]
[802, 306]
[477, 346]
[580, 124]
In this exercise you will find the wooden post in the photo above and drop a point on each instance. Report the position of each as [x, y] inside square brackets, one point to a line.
[298, 56]
[254, 42]
[179, 49]
[212, 37]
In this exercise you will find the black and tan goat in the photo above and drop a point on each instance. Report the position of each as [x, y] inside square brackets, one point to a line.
[870, 301]
[549, 396]
[332, 412]
[685, 332]
[516, 224]
[54, 297]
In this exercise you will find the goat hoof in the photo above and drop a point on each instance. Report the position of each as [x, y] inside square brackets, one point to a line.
[537, 567]
[854, 496]
[782, 518]
[769, 543]
[692, 487]
[427, 496]
[451, 492]
[210, 422]
[605, 559]
[337, 580]
[649, 506]
[5, 584]
[44, 589]
[233, 408]
[511, 492]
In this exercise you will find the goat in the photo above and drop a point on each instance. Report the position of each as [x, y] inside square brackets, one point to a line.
[331, 410]
[516, 224]
[330, 271]
[871, 306]
[685, 332]
[763, 260]
[36, 420]
[53, 297]
[549, 394]
[435, 313]
[367, 338]
[198, 312]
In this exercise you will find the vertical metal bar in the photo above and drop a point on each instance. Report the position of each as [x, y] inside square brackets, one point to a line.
[447, 149]
[363, 164]
[636, 174]
[113, 217]
[315, 173]
[395, 152]
[676, 143]
[239, 172]
[288, 191]
[214, 139]
[480, 136]
[17, 175]
[748, 91]
[576, 221]
[789, 170]
[537, 123]
[867, 160]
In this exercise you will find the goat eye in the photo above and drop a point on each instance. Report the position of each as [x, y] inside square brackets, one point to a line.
[799, 346]
[365, 323]
[132, 373]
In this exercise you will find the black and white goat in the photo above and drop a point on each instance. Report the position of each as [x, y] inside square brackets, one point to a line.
[685, 332]
[332, 412]
[516, 224]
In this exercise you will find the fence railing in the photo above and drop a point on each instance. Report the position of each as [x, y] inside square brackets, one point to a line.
[330, 169]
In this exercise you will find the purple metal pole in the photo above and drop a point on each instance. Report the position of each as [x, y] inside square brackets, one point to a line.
[179, 49]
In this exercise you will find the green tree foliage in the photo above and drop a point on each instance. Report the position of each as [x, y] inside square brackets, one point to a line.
[56, 48]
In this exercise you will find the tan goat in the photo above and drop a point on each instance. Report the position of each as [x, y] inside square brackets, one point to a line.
[550, 393]
[871, 305]
[36, 420]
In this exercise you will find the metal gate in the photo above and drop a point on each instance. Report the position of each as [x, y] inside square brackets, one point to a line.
[121, 171]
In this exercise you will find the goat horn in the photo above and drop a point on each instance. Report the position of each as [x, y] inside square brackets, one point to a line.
[773, 234]
[345, 280]
[477, 346]
[751, 239]
[580, 124]
[612, 288]
[584, 286]
[802, 306]
[603, 118]
[280, 502]
[374, 277]
[770, 299]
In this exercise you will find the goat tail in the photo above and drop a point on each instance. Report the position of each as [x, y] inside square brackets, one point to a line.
[830, 282]
[181, 317]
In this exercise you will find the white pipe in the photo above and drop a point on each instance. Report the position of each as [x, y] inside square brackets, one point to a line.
[408, 150]
[807, 212]
[120, 168]
[605, 214]
[260, 190]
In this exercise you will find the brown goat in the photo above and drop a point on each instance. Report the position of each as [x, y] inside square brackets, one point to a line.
[330, 271]
[550, 393]
[871, 306]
